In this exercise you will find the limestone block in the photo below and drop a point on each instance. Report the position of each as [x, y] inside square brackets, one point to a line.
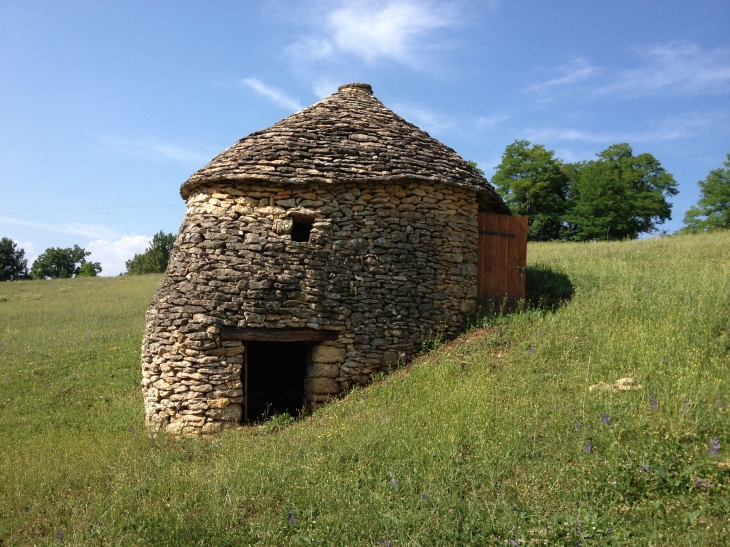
[231, 413]
[211, 428]
[328, 354]
[323, 386]
[221, 402]
[324, 370]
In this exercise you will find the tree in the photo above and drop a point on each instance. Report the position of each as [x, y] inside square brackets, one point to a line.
[13, 264]
[532, 183]
[56, 262]
[712, 211]
[155, 258]
[89, 269]
[619, 195]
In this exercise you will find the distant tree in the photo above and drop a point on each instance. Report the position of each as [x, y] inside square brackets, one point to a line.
[619, 195]
[476, 168]
[155, 258]
[13, 264]
[59, 263]
[712, 211]
[532, 183]
[89, 269]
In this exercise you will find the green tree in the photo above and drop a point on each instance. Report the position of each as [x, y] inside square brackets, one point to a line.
[532, 183]
[619, 195]
[712, 211]
[89, 269]
[13, 264]
[58, 262]
[155, 258]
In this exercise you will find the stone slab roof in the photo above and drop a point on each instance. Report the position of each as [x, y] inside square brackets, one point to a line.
[349, 136]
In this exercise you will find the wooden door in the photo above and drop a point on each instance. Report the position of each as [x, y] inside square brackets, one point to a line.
[502, 259]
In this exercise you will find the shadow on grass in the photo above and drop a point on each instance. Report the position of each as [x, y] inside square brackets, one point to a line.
[547, 288]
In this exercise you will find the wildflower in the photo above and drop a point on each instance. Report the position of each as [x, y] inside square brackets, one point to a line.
[646, 468]
[701, 483]
[687, 405]
[653, 402]
[59, 536]
[720, 407]
[577, 426]
[394, 483]
[292, 518]
[609, 531]
[714, 447]
[605, 419]
[424, 496]
[588, 448]
[665, 360]
[387, 543]
[451, 510]
[532, 349]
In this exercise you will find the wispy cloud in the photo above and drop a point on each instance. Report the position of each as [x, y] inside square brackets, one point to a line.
[277, 96]
[438, 123]
[674, 68]
[72, 228]
[577, 70]
[681, 128]
[113, 254]
[156, 149]
[399, 30]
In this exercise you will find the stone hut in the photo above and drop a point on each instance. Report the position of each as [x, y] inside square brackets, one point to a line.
[312, 255]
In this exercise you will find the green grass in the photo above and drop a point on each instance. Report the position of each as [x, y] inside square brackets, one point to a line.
[481, 442]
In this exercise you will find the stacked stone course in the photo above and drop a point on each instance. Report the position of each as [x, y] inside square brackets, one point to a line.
[387, 262]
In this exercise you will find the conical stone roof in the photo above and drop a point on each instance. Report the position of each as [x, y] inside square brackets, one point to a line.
[349, 136]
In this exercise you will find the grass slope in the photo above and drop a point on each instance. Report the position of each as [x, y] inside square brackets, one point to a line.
[492, 439]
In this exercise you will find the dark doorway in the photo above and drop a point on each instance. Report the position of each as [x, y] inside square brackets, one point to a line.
[275, 378]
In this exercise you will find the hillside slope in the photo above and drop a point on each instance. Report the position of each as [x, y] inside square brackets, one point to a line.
[491, 439]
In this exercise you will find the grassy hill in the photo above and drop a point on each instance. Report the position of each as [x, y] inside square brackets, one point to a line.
[491, 439]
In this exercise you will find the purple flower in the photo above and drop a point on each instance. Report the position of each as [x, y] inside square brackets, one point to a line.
[424, 496]
[532, 349]
[687, 405]
[588, 448]
[605, 419]
[701, 483]
[394, 483]
[387, 543]
[609, 531]
[714, 447]
[653, 402]
[59, 536]
[665, 360]
[292, 518]
[646, 468]
[577, 426]
[720, 407]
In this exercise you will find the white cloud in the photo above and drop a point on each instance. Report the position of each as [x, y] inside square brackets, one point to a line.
[73, 228]
[400, 30]
[113, 254]
[156, 149]
[427, 120]
[675, 68]
[575, 71]
[669, 131]
[324, 87]
[277, 96]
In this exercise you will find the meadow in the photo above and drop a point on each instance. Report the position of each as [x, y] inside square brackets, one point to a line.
[490, 439]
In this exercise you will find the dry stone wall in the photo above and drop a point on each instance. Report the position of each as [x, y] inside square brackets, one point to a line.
[385, 265]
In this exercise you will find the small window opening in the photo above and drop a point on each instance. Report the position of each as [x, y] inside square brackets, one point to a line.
[301, 229]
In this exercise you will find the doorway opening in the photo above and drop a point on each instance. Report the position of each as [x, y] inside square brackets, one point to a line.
[274, 378]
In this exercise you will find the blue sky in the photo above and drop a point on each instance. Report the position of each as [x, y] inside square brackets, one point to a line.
[107, 107]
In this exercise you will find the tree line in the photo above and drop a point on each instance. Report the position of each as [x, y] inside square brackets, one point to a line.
[59, 263]
[619, 195]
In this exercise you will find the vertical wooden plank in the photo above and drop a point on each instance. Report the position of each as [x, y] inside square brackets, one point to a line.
[245, 382]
